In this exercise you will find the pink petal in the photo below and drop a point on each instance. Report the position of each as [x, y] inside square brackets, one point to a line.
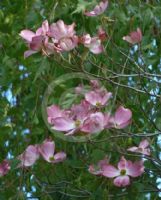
[146, 152]
[90, 14]
[39, 31]
[71, 31]
[94, 123]
[99, 9]
[106, 97]
[110, 171]
[59, 157]
[140, 150]
[67, 44]
[36, 43]
[136, 169]
[103, 162]
[122, 181]
[45, 26]
[86, 39]
[27, 35]
[53, 112]
[128, 39]
[63, 124]
[139, 34]
[47, 149]
[60, 30]
[29, 157]
[49, 48]
[122, 164]
[97, 97]
[134, 37]
[96, 46]
[133, 149]
[92, 97]
[102, 34]
[4, 168]
[71, 132]
[122, 117]
[106, 120]
[143, 144]
[29, 53]
[81, 110]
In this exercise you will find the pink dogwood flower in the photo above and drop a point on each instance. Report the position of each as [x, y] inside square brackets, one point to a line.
[98, 97]
[92, 43]
[90, 123]
[63, 36]
[36, 41]
[134, 37]
[47, 151]
[4, 168]
[73, 122]
[81, 118]
[94, 123]
[121, 119]
[99, 9]
[142, 148]
[97, 169]
[29, 156]
[123, 172]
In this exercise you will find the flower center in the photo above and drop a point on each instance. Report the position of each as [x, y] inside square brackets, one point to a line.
[98, 104]
[140, 149]
[123, 172]
[77, 123]
[51, 158]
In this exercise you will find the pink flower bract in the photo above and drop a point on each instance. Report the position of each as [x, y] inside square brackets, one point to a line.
[47, 151]
[92, 43]
[121, 119]
[142, 148]
[29, 156]
[99, 9]
[134, 37]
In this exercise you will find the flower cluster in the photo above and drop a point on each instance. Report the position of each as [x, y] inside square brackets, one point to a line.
[46, 150]
[88, 117]
[125, 169]
[59, 37]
